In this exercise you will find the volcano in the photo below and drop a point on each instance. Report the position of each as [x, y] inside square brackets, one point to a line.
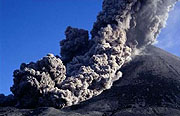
[150, 86]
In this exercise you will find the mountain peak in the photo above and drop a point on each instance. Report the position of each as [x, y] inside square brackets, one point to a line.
[149, 87]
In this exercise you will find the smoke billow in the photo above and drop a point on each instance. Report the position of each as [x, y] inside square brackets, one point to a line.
[88, 67]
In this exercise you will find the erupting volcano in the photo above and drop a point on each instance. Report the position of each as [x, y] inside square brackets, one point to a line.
[115, 72]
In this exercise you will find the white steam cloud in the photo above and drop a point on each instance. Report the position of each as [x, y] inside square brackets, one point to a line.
[169, 38]
[88, 67]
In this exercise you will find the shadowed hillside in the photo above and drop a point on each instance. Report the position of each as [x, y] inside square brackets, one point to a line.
[149, 87]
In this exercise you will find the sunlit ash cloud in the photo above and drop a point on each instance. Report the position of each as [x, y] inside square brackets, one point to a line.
[169, 38]
[87, 67]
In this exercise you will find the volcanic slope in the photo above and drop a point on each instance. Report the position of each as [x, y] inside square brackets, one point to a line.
[150, 86]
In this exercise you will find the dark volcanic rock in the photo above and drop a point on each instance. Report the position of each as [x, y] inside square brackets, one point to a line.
[150, 86]
[151, 80]
[7, 100]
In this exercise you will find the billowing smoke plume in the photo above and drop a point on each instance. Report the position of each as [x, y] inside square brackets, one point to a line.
[88, 67]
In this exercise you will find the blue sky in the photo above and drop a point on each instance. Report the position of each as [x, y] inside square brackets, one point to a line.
[169, 38]
[29, 29]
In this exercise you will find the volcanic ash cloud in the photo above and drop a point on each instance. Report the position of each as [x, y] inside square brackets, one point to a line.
[87, 67]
